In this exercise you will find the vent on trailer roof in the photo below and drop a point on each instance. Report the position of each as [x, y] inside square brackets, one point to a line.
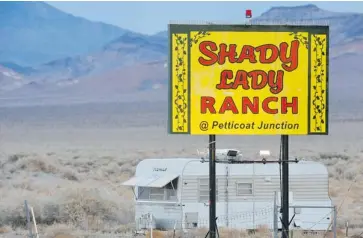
[221, 154]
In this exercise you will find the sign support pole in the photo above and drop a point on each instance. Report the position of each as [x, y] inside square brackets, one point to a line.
[285, 186]
[212, 186]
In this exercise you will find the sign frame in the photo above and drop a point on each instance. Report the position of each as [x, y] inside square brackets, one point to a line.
[179, 109]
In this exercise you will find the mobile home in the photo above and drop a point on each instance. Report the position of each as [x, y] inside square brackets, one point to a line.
[175, 192]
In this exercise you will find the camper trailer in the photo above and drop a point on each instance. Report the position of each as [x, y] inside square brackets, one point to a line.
[174, 192]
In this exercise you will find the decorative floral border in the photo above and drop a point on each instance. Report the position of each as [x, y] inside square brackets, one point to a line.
[302, 39]
[197, 37]
[318, 91]
[180, 81]
[180, 77]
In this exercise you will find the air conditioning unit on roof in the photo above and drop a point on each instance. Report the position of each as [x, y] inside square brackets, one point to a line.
[221, 154]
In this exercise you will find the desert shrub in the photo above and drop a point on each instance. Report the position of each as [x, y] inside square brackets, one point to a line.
[47, 213]
[59, 231]
[331, 156]
[5, 229]
[88, 210]
[79, 205]
[13, 158]
[233, 233]
[342, 170]
[36, 165]
[357, 236]
[127, 168]
[82, 209]
[12, 217]
[350, 175]
[70, 176]
[339, 172]
[124, 228]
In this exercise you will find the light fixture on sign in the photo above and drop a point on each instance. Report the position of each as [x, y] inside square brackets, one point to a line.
[248, 13]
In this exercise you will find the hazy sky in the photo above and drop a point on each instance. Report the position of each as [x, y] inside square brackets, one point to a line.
[152, 17]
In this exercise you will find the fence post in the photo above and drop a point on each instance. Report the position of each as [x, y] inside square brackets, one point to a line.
[27, 214]
[151, 226]
[174, 229]
[35, 223]
[335, 222]
[275, 216]
[346, 228]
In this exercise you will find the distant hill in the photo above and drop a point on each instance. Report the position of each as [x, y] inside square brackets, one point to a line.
[126, 50]
[346, 45]
[35, 32]
[344, 27]
[9, 79]
[131, 62]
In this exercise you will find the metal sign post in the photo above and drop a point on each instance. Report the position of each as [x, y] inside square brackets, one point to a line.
[285, 186]
[212, 186]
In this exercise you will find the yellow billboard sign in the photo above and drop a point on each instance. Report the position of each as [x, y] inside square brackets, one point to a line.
[248, 79]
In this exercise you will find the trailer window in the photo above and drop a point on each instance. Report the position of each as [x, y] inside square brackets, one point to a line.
[204, 190]
[244, 189]
[157, 194]
[143, 193]
[166, 193]
[146, 193]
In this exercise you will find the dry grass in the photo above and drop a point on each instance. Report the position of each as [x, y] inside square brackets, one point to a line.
[262, 232]
[59, 231]
[69, 165]
[5, 229]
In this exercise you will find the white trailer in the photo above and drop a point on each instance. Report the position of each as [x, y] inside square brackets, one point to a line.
[175, 192]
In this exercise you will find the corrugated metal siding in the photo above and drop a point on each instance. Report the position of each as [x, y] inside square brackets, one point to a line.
[310, 188]
[190, 189]
[190, 192]
[303, 188]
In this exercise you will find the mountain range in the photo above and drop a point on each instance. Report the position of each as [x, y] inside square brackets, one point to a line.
[47, 53]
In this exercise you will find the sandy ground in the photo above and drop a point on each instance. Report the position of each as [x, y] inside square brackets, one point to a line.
[68, 161]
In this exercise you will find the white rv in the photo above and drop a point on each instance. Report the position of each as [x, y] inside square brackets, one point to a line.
[175, 192]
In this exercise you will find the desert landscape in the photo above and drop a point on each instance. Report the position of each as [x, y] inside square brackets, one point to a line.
[68, 162]
[75, 121]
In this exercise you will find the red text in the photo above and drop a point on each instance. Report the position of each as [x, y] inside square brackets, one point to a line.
[269, 105]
